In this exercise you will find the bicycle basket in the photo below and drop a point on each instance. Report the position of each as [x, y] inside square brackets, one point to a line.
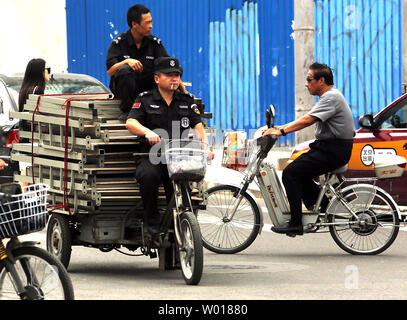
[24, 213]
[235, 150]
[186, 160]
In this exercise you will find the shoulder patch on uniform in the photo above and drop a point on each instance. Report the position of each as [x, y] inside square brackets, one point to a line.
[144, 93]
[195, 109]
[155, 39]
[119, 38]
[136, 105]
[190, 95]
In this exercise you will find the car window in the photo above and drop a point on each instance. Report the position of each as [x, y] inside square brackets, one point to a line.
[72, 86]
[61, 85]
[394, 118]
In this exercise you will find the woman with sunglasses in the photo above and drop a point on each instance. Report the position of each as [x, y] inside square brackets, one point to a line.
[36, 74]
[35, 77]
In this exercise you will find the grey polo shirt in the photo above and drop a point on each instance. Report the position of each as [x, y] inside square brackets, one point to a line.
[335, 120]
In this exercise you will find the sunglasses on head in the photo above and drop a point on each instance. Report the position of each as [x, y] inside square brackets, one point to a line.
[48, 69]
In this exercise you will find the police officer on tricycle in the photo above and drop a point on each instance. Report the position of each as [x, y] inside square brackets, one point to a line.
[165, 114]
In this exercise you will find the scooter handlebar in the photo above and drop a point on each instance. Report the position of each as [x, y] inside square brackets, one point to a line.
[266, 143]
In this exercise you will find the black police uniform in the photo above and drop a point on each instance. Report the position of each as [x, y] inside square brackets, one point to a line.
[151, 110]
[126, 83]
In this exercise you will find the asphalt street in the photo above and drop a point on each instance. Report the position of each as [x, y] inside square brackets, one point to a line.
[274, 267]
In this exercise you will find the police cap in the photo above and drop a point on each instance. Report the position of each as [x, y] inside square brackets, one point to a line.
[167, 65]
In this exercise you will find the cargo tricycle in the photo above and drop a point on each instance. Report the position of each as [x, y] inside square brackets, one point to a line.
[87, 157]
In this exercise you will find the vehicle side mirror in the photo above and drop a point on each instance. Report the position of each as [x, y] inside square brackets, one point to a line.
[366, 121]
[270, 115]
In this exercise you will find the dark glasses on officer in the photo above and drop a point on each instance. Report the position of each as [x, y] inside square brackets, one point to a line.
[48, 69]
[309, 79]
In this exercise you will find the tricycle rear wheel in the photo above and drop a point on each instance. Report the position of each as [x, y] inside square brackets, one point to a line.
[59, 242]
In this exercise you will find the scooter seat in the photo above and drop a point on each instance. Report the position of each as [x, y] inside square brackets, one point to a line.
[340, 169]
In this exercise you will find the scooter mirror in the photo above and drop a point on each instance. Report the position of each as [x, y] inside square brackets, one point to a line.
[270, 115]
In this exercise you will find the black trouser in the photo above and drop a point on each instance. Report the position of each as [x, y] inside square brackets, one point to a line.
[149, 176]
[324, 156]
[127, 84]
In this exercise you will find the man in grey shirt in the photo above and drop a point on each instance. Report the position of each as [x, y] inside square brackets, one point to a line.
[334, 132]
[334, 117]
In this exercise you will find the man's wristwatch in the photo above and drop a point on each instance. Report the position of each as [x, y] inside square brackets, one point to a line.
[282, 131]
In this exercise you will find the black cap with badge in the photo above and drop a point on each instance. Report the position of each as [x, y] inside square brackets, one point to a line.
[167, 65]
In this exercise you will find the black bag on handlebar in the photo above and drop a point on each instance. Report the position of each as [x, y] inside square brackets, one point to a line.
[266, 143]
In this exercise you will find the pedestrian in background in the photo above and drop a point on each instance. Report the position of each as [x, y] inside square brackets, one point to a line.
[35, 77]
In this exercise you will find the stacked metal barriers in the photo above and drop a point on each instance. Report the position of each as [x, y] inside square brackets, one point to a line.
[81, 150]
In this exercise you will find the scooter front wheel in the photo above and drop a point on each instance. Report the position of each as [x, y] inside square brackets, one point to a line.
[221, 233]
[191, 251]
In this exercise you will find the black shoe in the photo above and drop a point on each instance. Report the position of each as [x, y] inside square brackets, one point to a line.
[152, 238]
[287, 228]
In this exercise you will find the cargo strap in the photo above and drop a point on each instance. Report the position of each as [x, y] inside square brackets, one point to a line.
[65, 106]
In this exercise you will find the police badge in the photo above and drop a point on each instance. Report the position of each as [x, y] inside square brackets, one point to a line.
[184, 122]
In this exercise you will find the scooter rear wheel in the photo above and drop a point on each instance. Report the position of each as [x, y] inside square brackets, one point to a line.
[221, 234]
[376, 226]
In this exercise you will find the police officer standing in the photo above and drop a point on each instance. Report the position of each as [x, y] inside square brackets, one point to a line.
[130, 58]
[164, 112]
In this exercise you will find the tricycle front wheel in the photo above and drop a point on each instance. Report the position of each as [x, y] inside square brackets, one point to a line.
[191, 251]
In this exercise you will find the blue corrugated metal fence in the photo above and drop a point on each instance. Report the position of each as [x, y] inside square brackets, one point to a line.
[233, 60]
[362, 42]
[237, 54]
